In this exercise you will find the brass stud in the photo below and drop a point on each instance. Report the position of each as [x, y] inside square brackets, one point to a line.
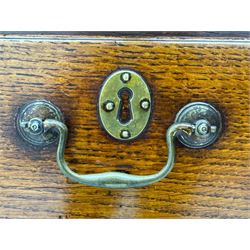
[125, 134]
[145, 104]
[109, 106]
[125, 77]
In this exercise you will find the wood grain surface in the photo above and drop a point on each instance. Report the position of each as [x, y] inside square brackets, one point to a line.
[69, 70]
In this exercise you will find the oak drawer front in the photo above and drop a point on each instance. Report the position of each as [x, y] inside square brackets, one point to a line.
[205, 183]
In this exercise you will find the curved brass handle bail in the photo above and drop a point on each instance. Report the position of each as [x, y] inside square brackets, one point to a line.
[115, 179]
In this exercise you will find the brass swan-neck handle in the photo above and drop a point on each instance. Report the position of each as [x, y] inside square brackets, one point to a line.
[115, 179]
[197, 125]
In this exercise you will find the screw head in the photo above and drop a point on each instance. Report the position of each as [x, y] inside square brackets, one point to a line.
[109, 106]
[203, 129]
[125, 77]
[145, 104]
[125, 134]
[35, 126]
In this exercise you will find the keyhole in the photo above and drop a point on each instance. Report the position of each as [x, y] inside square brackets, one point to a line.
[124, 112]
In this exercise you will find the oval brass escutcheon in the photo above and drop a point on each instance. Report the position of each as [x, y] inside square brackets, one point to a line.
[124, 105]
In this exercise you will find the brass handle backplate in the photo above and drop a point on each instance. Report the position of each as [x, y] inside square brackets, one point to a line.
[197, 125]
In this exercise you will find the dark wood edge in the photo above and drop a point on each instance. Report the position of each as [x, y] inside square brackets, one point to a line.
[182, 34]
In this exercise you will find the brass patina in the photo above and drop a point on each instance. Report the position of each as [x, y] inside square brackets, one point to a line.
[111, 106]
